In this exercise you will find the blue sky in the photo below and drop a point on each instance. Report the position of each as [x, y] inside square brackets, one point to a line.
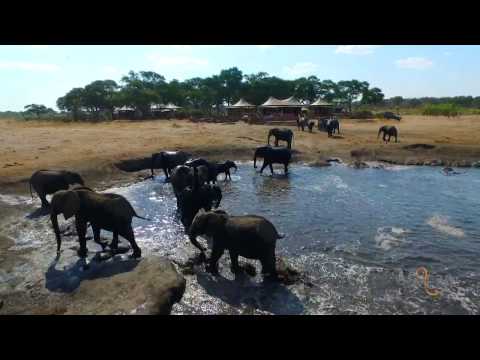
[42, 73]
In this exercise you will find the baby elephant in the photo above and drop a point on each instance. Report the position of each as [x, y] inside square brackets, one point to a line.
[250, 236]
[111, 212]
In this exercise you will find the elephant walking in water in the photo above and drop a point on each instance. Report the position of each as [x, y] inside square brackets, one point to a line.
[46, 182]
[279, 155]
[249, 236]
[388, 130]
[281, 134]
[111, 212]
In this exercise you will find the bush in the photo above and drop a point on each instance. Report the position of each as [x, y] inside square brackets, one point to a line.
[364, 114]
[441, 110]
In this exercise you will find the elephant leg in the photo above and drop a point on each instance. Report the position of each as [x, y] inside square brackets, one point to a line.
[128, 234]
[263, 166]
[96, 237]
[271, 168]
[81, 232]
[43, 198]
[269, 264]
[286, 168]
[276, 142]
[217, 253]
[114, 243]
[234, 267]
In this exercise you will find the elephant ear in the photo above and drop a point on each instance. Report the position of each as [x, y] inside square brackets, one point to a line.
[215, 222]
[70, 204]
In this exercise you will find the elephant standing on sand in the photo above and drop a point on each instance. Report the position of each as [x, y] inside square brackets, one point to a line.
[281, 134]
[110, 212]
[331, 126]
[167, 160]
[249, 236]
[388, 130]
[46, 182]
[270, 155]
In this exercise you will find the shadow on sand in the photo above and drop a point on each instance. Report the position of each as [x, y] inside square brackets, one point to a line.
[70, 278]
[273, 297]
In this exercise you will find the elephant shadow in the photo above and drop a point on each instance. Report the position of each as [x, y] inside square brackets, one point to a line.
[70, 278]
[273, 297]
[40, 212]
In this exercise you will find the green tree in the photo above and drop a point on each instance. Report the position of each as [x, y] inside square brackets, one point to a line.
[72, 102]
[99, 96]
[350, 91]
[36, 110]
[232, 83]
[373, 96]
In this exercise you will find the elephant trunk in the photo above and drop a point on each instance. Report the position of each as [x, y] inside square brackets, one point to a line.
[268, 139]
[379, 131]
[255, 160]
[53, 218]
[31, 193]
[235, 167]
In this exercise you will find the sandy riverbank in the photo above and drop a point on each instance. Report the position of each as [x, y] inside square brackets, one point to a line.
[93, 149]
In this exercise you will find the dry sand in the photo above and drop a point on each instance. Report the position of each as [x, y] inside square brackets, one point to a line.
[93, 149]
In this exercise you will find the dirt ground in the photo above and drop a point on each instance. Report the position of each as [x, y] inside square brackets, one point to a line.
[93, 149]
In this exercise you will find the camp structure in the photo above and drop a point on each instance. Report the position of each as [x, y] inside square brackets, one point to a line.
[240, 108]
[160, 111]
[276, 109]
[322, 108]
[124, 112]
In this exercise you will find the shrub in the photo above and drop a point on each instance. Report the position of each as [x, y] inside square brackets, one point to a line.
[441, 110]
[364, 114]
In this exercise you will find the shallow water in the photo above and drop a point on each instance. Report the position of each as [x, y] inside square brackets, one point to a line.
[357, 235]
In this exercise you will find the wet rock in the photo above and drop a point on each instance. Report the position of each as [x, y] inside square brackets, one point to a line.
[319, 163]
[476, 164]
[359, 165]
[152, 287]
[286, 273]
[336, 160]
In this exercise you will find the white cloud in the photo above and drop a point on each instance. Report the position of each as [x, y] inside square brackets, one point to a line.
[356, 49]
[183, 62]
[39, 46]
[22, 65]
[300, 69]
[264, 47]
[417, 63]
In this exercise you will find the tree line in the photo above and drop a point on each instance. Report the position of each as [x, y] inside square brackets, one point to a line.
[138, 90]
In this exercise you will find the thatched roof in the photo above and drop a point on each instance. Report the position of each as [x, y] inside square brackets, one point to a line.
[290, 102]
[125, 108]
[242, 103]
[172, 106]
[320, 102]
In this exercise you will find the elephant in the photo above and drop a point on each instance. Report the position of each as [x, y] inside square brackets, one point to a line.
[249, 236]
[212, 169]
[49, 181]
[182, 176]
[302, 122]
[311, 124]
[271, 155]
[390, 115]
[322, 124]
[388, 130]
[111, 212]
[193, 198]
[281, 134]
[331, 126]
[167, 160]
[225, 168]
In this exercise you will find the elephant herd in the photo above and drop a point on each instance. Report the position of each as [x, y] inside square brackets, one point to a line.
[331, 124]
[194, 184]
[198, 198]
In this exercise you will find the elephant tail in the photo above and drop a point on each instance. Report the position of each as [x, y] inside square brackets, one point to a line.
[31, 193]
[141, 217]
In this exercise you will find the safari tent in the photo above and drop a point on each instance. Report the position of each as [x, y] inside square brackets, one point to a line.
[322, 108]
[124, 112]
[240, 108]
[285, 109]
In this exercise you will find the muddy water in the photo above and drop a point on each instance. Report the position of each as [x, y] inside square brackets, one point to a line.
[357, 236]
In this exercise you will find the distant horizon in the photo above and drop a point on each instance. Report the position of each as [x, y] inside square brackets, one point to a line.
[40, 74]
